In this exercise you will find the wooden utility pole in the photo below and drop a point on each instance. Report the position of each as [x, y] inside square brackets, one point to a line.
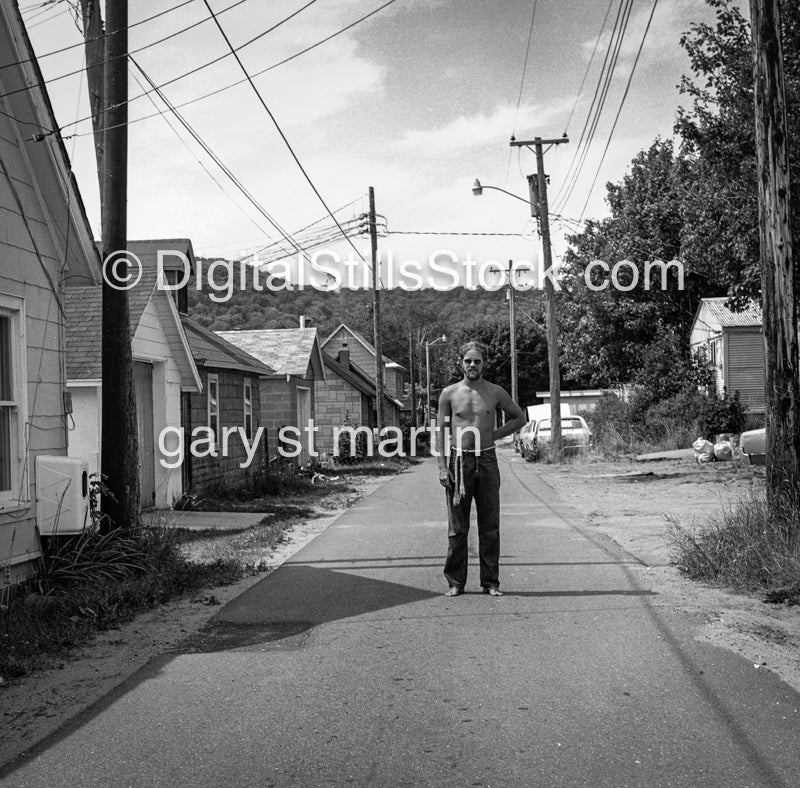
[376, 312]
[119, 452]
[778, 287]
[94, 48]
[413, 377]
[512, 319]
[538, 199]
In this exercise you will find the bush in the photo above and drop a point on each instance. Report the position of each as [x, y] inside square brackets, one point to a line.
[725, 414]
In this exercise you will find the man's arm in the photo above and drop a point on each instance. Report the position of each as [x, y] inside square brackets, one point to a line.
[511, 408]
[443, 415]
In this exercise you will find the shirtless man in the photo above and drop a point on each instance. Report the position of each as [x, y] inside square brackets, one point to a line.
[468, 467]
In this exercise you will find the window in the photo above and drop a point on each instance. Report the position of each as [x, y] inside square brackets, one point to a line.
[248, 408]
[13, 400]
[213, 405]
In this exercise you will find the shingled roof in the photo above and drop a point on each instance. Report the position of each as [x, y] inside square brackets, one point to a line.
[211, 350]
[83, 309]
[289, 351]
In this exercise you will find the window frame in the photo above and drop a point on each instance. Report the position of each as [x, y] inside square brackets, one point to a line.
[17, 495]
[247, 407]
[212, 407]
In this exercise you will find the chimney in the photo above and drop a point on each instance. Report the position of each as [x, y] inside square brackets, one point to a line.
[344, 356]
[302, 321]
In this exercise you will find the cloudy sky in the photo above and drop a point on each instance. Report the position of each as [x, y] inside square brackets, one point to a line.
[416, 101]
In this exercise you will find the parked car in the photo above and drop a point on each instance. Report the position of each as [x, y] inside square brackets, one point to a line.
[525, 437]
[575, 437]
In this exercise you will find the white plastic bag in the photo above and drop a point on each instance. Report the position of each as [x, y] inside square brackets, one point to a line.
[703, 450]
[723, 451]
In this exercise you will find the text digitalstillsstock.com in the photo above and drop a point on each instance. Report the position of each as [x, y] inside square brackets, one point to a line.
[443, 271]
[292, 442]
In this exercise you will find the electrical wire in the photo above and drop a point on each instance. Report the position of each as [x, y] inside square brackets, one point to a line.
[589, 65]
[621, 104]
[278, 128]
[141, 49]
[226, 170]
[525, 66]
[598, 103]
[240, 81]
[96, 38]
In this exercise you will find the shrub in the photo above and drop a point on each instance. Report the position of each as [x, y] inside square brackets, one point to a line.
[725, 414]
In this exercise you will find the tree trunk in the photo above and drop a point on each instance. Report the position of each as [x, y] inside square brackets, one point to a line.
[777, 272]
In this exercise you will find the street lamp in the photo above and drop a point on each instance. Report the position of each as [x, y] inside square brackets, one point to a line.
[442, 338]
[537, 186]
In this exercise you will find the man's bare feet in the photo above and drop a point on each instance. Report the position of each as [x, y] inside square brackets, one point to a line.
[492, 591]
[454, 591]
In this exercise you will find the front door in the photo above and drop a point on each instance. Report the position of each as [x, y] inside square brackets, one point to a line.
[143, 392]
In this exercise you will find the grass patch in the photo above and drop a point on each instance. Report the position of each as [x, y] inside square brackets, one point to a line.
[748, 546]
[376, 466]
[95, 582]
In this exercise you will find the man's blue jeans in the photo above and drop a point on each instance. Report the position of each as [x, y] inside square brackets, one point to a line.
[481, 483]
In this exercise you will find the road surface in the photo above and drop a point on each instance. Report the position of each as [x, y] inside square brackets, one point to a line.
[347, 666]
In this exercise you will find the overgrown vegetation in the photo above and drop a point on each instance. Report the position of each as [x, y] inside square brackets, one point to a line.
[748, 546]
[94, 582]
[644, 424]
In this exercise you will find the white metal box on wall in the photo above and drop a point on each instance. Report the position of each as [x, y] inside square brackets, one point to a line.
[62, 495]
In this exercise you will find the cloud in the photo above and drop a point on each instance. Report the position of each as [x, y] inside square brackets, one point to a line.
[470, 131]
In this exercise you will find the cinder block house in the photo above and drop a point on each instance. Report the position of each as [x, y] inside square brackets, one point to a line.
[345, 398]
[46, 242]
[734, 343]
[361, 355]
[287, 395]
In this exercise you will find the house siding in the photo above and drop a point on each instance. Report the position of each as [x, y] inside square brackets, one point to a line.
[22, 275]
[279, 405]
[224, 469]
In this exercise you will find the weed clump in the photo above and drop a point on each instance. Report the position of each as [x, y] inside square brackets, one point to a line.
[749, 546]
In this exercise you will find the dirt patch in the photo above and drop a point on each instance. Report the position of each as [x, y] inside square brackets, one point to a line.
[32, 707]
[634, 503]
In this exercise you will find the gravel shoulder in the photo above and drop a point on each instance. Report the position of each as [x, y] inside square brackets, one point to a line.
[633, 502]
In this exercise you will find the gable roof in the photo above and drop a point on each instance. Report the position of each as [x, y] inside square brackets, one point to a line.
[356, 378]
[716, 316]
[27, 102]
[212, 351]
[288, 351]
[147, 251]
[367, 345]
[83, 309]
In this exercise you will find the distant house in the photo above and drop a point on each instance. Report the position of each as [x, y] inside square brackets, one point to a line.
[345, 398]
[287, 395]
[734, 343]
[163, 371]
[45, 243]
[579, 400]
[362, 355]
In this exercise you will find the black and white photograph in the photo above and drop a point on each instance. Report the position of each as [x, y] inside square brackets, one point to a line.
[399, 393]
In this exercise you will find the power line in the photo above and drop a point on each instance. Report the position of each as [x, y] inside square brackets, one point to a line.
[589, 65]
[598, 101]
[95, 38]
[524, 66]
[141, 49]
[243, 80]
[621, 104]
[277, 125]
[221, 164]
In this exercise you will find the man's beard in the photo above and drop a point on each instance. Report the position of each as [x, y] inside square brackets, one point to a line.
[472, 374]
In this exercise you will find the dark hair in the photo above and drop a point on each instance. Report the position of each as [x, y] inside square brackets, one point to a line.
[474, 345]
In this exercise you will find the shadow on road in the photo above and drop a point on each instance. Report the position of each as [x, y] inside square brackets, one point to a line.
[294, 599]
